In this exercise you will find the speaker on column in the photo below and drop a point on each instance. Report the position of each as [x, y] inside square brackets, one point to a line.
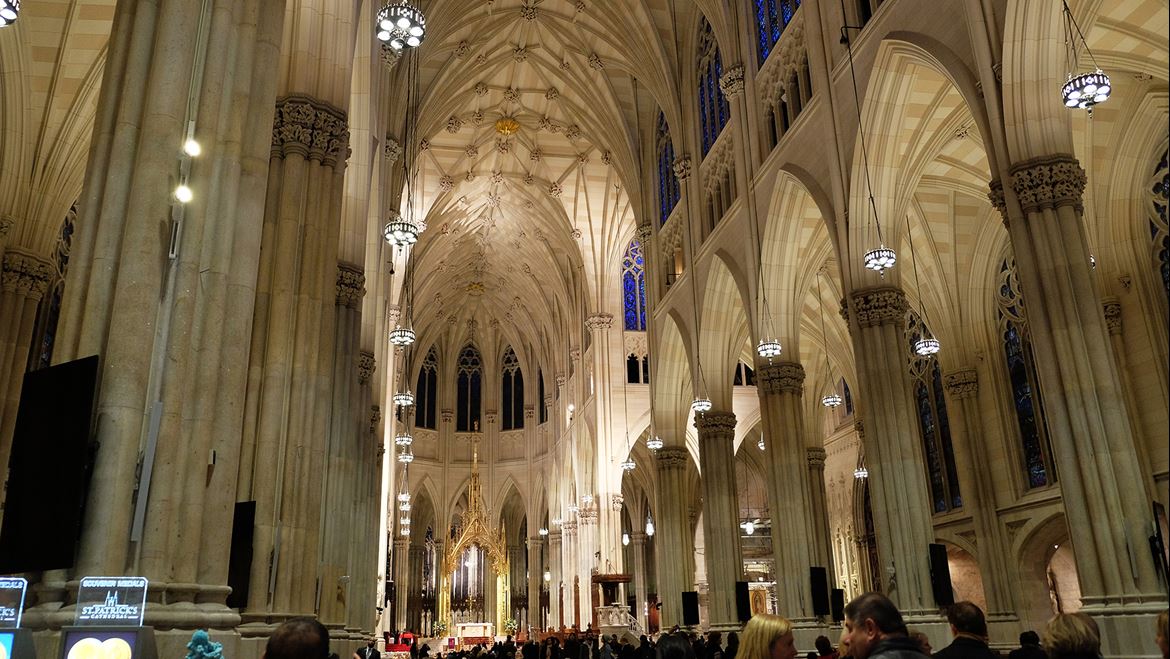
[940, 576]
[819, 579]
[837, 604]
[240, 555]
[690, 603]
[743, 602]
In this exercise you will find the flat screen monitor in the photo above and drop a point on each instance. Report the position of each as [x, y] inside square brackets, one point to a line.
[7, 640]
[99, 644]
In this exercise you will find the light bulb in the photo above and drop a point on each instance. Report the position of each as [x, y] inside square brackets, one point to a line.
[654, 442]
[183, 193]
[192, 148]
[625, 539]
[749, 528]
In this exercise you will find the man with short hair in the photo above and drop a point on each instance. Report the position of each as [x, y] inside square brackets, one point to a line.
[298, 638]
[368, 652]
[874, 627]
[969, 628]
[1029, 647]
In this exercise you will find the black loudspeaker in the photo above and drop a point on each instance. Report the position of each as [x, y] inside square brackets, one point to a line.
[690, 602]
[819, 579]
[743, 602]
[240, 559]
[940, 576]
[42, 516]
[837, 604]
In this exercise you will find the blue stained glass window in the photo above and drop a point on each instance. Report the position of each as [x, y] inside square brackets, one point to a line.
[772, 16]
[1160, 237]
[713, 108]
[469, 390]
[512, 392]
[942, 474]
[634, 288]
[426, 393]
[668, 188]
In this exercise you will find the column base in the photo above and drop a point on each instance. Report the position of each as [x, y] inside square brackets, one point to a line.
[1127, 630]
[936, 628]
[806, 630]
[726, 627]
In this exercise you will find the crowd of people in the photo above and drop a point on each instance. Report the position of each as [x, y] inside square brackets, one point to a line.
[873, 629]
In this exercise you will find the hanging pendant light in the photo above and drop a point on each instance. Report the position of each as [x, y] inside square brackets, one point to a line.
[832, 400]
[573, 509]
[402, 336]
[401, 25]
[404, 496]
[760, 444]
[399, 230]
[649, 526]
[768, 348]
[404, 506]
[403, 439]
[1082, 90]
[9, 10]
[927, 346]
[406, 457]
[404, 398]
[881, 259]
[861, 472]
[701, 405]
[404, 531]
[654, 442]
[627, 465]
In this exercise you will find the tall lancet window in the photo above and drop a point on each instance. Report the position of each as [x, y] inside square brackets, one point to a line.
[1027, 401]
[468, 390]
[512, 392]
[933, 422]
[426, 393]
[772, 16]
[668, 189]
[713, 108]
[1159, 191]
[634, 287]
[49, 311]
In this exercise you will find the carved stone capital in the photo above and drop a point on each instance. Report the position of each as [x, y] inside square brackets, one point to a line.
[366, 366]
[616, 501]
[963, 383]
[393, 313]
[682, 167]
[998, 200]
[26, 274]
[375, 418]
[880, 306]
[1112, 308]
[313, 129]
[715, 425]
[599, 322]
[6, 224]
[491, 416]
[672, 457]
[351, 285]
[816, 457]
[391, 150]
[859, 426]
[587, 516]
[529, 412]
[560, 379]
[645, 233]
[782, 377]
[575, 354]
[447, 415]
[731, 82]
[1049, 182]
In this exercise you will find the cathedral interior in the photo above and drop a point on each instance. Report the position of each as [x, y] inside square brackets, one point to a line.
[542, 313]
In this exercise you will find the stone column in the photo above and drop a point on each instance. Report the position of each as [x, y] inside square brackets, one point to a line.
[638, 552]
[609, 442]
[1093, 437]
[535, 578]
[822, 552]
[555, 617]
[722, 554]
[977, 482]
[588, 556]
[674, 533]
[569, 570]
[401, 580]
[1113, 321]
[780, 387]
[414, 599]
[893, 449]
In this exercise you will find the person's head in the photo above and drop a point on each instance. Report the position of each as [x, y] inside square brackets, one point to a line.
[767, 637]
[1162, 633]
[372, 641]
[1029, 638]
[675, 646]
[298, 638]
[714, 639]
[811, 655]
[922, 641]
[869, 618]
[823, 645]
[966, 618]
[732, 640]
[1072, 634]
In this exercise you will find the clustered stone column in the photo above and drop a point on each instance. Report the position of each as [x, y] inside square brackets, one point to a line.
[780, 388]
[722, 553]
[555, 617]
[822, 553]
[893, 451]
[535, 577]
[570, 614]
[638, 552]
[401, 580]
[673, 530]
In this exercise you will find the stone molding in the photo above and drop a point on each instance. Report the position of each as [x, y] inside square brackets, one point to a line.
[880, 306]
[312, 129]
[1112, 307]
[447, 414]
[6, 224]
[587, 516]
[26, 274]
[616, 502]
[816, 456]
[781, 377]
[491, 416]
[859, 426]
[731, 82]
[366, 366]
[963, 383]
[682, 167]
[645, 233]
[715, 425]
[1049, 182]
[351, 285]
[375, 418]
[998, 201]
[599, 322]
[529, 411]
[672, 457]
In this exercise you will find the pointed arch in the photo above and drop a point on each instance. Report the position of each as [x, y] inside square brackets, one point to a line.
[511, 392]
[468, 389]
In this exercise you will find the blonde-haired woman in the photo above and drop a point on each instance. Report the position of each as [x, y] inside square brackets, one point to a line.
[767, 637]
[1072, 636]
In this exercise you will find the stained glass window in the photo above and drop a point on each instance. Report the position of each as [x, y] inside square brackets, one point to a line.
[1159, 192]
[426, 394]
[512, 390]
[634, 287]
[49, 311]
[713, 108]
[744, 376]
[668, 188]
[469, 390]
[942, 475]
[1035, 450]
[772, 16]
[540, 392]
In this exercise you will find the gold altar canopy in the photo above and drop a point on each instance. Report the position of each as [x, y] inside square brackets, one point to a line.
[476, 531]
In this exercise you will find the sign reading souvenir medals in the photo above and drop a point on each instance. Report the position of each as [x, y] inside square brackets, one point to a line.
[14, 642]
[108, 621]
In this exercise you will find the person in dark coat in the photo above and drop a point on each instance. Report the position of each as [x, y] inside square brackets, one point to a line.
[969, 627]
[874, 628]
[1029, 647]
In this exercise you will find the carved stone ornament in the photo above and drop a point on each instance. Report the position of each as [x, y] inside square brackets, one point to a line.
[313, 129]
[25, 274]
[716, 425]
[393, 313]
[520, 53]
[366, 366]
[375, 418]
[599, 321]
[454, 124]
[682, 168]
[782, 377]
[391, 150]
[390, 57]
[880, 306]
[998, 201]
[963, 383]
[555, 190]
[491, 416]
[645, 233]
[859, 426]
[816, 456]
[1112, 308]
[351, 285]
[616, 501]
[595, 62]
[462, 49]
[731, 82]
[446, 183]
[587, 516]
[6, 223]
[447, 415]
[672, 457]
[1049, 182]
[529, 411]
[528, 13]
